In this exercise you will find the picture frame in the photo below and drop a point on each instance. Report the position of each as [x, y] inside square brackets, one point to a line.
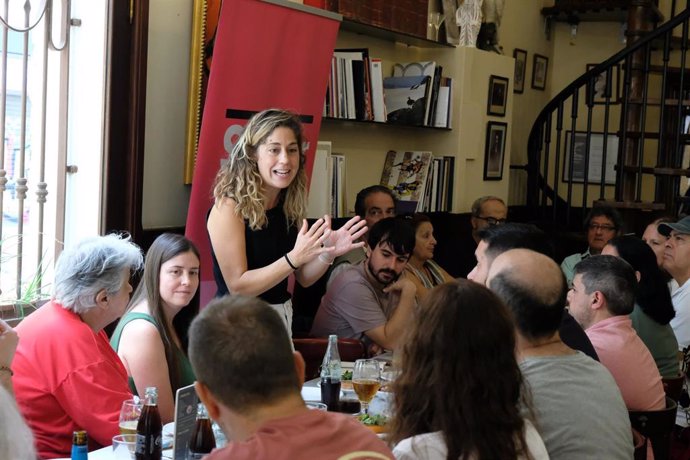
[596, 152]
[540, 69]
[494, 150]
[498, 96]
[204, 24]
[520, 70]
[602, 91]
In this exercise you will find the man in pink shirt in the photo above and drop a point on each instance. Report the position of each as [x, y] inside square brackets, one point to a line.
[601, 298]
[250, 380]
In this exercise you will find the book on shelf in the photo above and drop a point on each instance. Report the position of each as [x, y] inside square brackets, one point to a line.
[443, 111]
[433, 99]
[406, 99]
[320, 198]
[406, 173]
[348, 94]
[338, 204]
[377, 101]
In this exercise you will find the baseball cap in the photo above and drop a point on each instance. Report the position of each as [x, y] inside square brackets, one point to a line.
[682, 226]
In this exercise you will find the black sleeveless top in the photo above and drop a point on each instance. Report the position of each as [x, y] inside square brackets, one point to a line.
[263, 247]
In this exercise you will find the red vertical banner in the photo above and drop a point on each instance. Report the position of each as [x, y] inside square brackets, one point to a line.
[265, 55]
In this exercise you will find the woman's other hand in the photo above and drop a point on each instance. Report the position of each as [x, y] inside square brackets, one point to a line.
[345, 238]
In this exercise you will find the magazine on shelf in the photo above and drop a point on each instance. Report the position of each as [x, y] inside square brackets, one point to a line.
[406, 174]
[406, 99]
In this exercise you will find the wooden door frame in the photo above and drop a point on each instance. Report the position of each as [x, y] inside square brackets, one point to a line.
[125, 117]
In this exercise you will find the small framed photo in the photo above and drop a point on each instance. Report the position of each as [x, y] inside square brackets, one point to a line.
[520, 70]
[494, 150]
[540, 67]
[498, 96]
[606, 86]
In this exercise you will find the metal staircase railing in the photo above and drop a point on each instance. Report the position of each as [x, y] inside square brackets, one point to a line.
[627, 152]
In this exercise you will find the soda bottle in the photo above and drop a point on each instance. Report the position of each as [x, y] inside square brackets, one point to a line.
[80, 445]
[202, 441]
[149, 428]
[331, 373]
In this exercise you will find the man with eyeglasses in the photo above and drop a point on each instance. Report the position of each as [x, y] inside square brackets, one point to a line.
[602, 223]
[486, 211]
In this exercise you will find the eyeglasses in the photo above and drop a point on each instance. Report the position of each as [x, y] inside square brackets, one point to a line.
[492, 220]
[603, 228]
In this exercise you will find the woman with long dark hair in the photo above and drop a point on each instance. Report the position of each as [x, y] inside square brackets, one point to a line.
[151, 337]
[460, 390]
[653, 307]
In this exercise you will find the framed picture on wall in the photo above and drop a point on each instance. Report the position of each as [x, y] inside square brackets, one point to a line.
[498, 96]
[494, 150]
[540, 67]
[576, 148]
[606, 86]
[520, 70]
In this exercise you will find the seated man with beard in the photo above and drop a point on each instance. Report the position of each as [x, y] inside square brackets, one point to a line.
[372, 301]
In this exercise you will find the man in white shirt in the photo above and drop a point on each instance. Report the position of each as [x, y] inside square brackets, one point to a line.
[677, 264]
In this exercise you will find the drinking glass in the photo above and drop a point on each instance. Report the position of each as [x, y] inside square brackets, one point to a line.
[366, 380]
[124, 446]
[129, 416]
[435, 21]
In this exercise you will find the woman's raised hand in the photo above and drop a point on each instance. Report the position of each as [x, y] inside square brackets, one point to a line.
[310, 241]
[345, 238]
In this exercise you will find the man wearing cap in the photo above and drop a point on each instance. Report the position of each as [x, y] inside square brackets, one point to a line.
[677, 264]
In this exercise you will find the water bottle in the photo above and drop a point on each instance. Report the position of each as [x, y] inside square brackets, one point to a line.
[80, 445]
[331, 373]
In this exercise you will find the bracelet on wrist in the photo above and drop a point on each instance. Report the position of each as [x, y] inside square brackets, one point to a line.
[6, 369]
[325, 259]
[287, 259]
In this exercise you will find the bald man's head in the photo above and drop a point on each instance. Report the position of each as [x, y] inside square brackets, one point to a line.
[533, 286]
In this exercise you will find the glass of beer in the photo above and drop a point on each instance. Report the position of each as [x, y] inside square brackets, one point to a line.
[366, 380]
[129, 416]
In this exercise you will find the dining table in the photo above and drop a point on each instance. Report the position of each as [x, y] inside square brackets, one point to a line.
[310, 392]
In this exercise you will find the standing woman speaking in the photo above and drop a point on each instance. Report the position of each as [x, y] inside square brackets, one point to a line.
[256, 226]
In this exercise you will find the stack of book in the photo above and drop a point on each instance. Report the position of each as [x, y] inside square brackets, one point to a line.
[422, 182]
[417, 94]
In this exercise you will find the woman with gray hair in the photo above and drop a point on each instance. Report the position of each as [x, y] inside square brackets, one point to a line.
[66, 375]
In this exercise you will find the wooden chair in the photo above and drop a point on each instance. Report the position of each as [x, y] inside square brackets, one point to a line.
[313, 349]
[673, 386]
[656, 427]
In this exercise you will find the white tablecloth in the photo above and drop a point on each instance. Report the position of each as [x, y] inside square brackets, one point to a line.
[310, 392]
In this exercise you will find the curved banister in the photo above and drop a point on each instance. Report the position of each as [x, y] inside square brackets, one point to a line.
[540, 138]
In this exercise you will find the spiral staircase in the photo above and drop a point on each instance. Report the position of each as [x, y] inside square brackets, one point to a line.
[619, 134]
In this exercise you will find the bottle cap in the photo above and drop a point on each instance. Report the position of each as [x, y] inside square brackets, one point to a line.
[80, 438]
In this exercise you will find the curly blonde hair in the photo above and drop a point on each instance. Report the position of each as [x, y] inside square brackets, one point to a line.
[240, 179]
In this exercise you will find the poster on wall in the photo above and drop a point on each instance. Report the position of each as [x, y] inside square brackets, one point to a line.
[577, 150]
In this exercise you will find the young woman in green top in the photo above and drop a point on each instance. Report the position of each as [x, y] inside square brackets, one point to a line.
[151, 337]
